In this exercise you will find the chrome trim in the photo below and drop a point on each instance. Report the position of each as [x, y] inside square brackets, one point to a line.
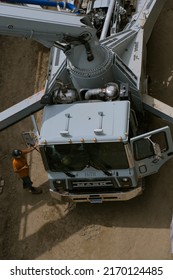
[97, 198]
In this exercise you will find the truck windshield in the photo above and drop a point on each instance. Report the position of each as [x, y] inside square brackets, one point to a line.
[75, 157]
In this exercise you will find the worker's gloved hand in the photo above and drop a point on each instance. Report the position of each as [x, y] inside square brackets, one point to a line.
[33, 146]
[36, 144]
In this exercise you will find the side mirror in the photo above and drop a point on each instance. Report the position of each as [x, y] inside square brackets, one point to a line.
[157, 150]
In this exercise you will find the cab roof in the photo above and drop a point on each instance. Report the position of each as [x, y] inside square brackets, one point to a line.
[102, 121]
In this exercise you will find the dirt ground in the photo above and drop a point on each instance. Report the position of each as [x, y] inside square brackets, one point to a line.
[36, 227]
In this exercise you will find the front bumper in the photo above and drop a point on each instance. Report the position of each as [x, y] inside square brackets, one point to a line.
[97, 198]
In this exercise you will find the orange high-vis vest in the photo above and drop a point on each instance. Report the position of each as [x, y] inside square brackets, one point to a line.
[18, 163]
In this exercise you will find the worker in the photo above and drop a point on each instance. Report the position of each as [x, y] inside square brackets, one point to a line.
[21, 167]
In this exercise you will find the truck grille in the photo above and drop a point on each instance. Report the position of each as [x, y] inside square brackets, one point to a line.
[93, 186]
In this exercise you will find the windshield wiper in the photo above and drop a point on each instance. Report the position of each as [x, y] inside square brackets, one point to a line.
[68, 173]
[105, 171]
[101, 167]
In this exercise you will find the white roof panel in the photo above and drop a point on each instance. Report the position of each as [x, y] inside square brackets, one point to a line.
[105, 121]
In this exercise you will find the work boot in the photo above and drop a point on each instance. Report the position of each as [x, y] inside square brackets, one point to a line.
[36, 191]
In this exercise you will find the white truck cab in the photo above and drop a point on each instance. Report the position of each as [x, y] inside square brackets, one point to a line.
[91, 157]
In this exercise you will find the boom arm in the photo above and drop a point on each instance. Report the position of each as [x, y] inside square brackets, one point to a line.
[51, 28]
[42, 25]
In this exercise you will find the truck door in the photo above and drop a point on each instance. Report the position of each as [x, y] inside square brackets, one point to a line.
[151, 150]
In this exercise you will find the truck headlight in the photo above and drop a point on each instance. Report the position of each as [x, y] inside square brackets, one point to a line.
[125, 179]
[125, 182]
[59, 184]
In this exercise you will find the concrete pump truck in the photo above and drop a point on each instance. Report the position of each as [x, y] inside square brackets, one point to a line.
[93, 140]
